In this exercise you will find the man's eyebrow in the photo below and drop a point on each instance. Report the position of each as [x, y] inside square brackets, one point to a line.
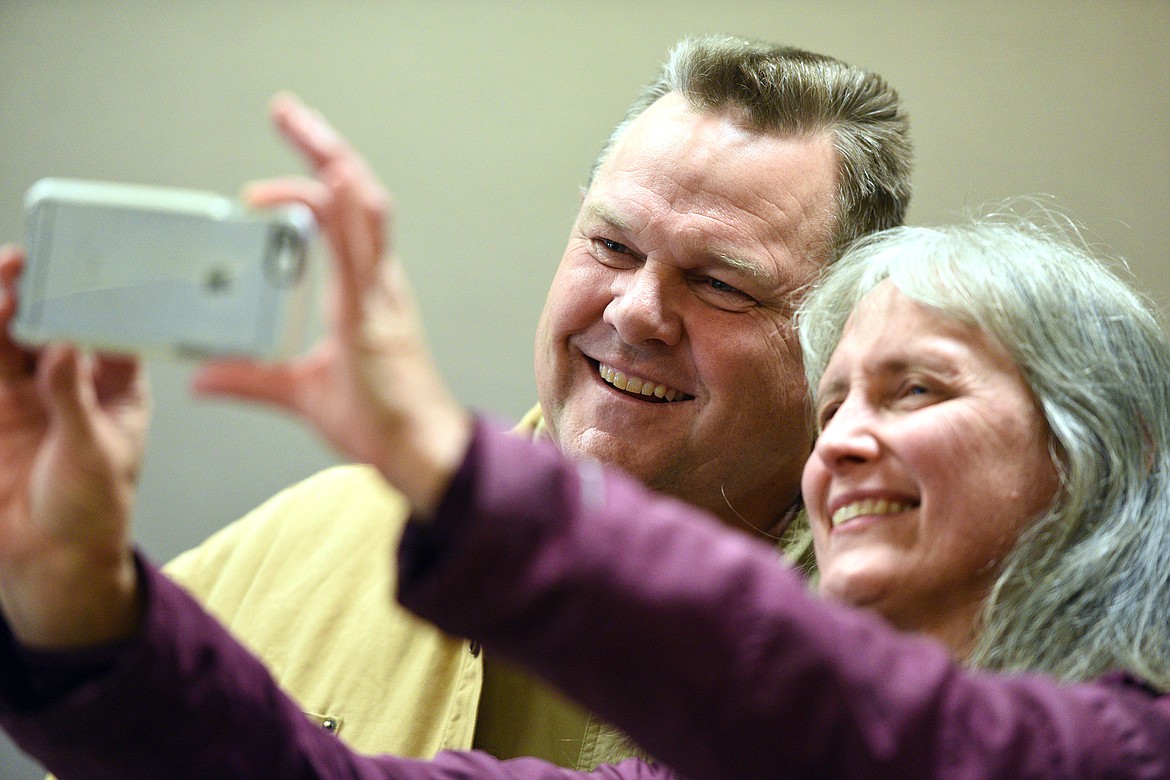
[607, 215]
[745, 267]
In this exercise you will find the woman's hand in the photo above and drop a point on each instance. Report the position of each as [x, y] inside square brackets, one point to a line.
[72, 436]
[369, 387]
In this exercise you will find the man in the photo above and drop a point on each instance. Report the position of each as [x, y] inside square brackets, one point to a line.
[664, 348]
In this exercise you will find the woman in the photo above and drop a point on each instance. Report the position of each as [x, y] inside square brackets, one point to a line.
[694, 640]
[1094, 360]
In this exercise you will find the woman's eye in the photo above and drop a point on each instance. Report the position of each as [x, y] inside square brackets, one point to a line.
[826, 414]
[916, 393]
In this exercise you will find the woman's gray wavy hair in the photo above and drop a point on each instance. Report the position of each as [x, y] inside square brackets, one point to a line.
[1087, 588]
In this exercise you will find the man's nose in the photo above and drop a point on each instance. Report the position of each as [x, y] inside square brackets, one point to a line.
[643, 308]
[849, 437]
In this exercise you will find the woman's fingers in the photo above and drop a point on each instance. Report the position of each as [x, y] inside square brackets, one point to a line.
[15, 360]
[350, 204]
[308, 131]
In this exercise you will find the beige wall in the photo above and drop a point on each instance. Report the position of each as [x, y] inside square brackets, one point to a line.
[483, 118]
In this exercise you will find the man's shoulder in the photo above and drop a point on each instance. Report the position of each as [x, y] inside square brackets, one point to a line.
[312, 524]
[306, 581]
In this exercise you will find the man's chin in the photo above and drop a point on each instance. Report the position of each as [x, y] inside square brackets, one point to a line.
[644, 462]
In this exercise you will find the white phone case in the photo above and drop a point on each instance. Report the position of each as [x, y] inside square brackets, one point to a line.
[162, 272]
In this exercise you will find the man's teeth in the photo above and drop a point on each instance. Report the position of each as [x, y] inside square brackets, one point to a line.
[868, 506]
[637, 385]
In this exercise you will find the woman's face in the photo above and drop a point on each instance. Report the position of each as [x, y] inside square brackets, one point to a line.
[932, 456]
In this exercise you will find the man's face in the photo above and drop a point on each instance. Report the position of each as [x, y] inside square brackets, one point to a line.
[665, 346]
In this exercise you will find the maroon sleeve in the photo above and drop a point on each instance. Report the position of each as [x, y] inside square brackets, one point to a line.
[707, 650]
[184, 700]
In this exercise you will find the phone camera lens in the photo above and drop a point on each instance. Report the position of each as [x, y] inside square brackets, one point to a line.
[286, 257]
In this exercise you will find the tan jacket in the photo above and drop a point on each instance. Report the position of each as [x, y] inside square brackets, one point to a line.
[306, 582]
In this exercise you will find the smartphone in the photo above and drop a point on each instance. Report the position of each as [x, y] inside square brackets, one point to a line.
[162, 272]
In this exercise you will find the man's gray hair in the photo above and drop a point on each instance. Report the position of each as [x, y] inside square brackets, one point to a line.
[791, 92]
[1086, 588]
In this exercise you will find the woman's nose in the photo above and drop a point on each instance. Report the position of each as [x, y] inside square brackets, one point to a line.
[849, 436]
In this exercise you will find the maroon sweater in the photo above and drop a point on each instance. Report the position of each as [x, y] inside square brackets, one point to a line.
[693, 639]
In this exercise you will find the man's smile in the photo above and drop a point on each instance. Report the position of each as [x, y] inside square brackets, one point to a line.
[646, 389]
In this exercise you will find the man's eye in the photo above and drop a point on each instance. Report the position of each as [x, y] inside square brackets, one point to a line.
[721, 295]
[724, 287]
[724, 294]
[612, 254]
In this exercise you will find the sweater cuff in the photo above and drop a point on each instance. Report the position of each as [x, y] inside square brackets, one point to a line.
[35, 678]
[424, 540]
